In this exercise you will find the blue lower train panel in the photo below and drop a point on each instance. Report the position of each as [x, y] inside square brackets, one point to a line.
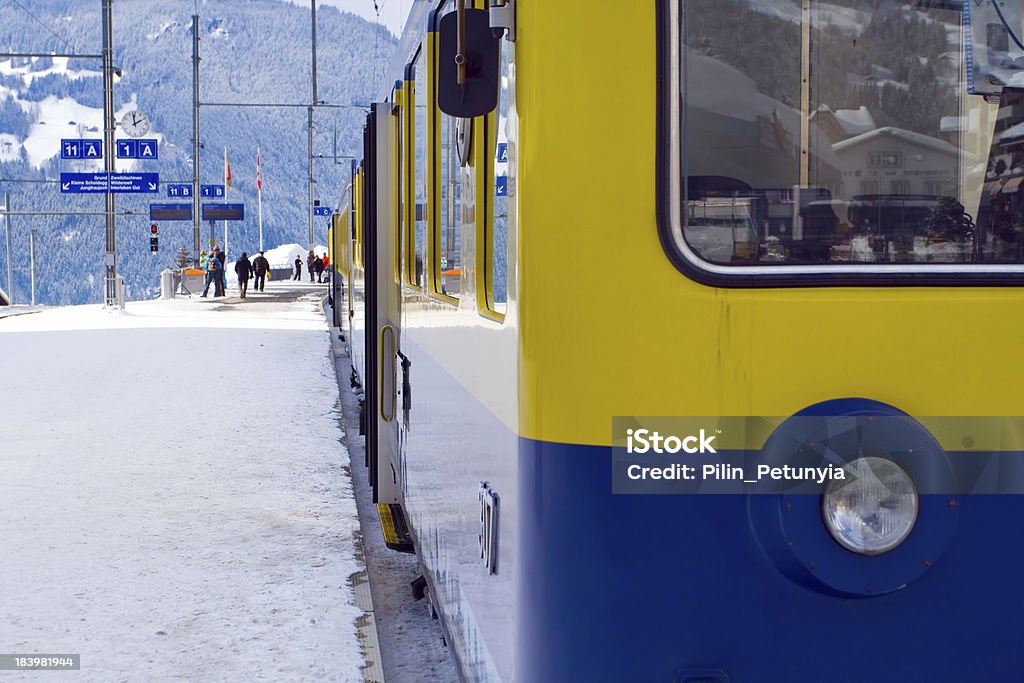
[677, 588]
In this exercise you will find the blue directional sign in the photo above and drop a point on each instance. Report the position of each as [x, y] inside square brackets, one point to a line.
[135, 183]
[223, 212]
[170, 212]
[501, 186]
[123, 183]
[211, 191]
[81, 149]
[321, 211]
[179, 190]
[148, 149]
[83, 183]
[502, 152]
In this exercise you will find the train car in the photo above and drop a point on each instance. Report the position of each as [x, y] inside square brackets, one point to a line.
[575, 221]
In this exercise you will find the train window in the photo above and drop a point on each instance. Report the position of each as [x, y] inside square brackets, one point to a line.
[396, 180]
[420, 159]
[449, 218]
[445, 244]
[357, 227]
[807, 137]
[503, 190]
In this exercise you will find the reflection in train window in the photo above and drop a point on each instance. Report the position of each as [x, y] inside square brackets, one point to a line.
[449, 217]
[421, 168]
[829, 133]
[502, 192]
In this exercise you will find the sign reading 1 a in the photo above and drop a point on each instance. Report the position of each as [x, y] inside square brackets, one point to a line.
[138, 149]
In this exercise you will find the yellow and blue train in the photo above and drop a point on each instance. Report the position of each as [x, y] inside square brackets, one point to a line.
[572, 215]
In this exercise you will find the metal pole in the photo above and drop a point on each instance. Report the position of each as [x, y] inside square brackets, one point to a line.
[7, 225]
[32, 262]
[225, 199]
[312, 6]
[195, 139]
[110, 260]
[310, 207]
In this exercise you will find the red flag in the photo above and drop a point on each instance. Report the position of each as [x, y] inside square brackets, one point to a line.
[259, 174]
[227, 169]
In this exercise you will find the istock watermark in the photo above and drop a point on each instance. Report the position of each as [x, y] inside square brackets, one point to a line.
[809, 454]
[644, 440]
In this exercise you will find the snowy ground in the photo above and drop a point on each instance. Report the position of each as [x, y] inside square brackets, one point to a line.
[412, 647]
[174, 503]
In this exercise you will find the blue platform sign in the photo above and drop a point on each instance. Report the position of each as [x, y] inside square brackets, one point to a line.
[81, 149]
[170, 212]
[127, 149]
[502, 152]
[135, 183]
[223, 212]
[83, 183]
[321, 211]
[92, 149]
[149, 149]
[70, 149]
[179, 190]
[211, 191]
[501, 186]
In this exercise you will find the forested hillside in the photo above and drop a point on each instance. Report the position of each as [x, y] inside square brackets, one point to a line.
[251, 51]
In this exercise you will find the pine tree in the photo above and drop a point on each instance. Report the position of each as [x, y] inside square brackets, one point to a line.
[182, 258]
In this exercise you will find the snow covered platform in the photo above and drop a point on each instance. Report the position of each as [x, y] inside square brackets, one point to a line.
[175, 498]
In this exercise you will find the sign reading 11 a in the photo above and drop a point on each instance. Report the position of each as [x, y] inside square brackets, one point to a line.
[77, 148]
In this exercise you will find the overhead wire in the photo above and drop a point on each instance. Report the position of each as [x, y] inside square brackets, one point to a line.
[48, 29]
[376, 46]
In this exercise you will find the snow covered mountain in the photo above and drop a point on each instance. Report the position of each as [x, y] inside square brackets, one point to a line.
[251, 51]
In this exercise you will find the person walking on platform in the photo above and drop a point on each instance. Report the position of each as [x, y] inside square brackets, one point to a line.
[327, 268]
[261, 266]
[319, 265]
[213, 276]
[222, 256]
[298, 268]
[243, 269]
[311, 264]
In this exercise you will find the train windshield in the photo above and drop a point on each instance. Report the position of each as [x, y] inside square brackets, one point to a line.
[816, 133]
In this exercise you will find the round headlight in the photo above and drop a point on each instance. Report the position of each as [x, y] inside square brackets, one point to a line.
[874, 509]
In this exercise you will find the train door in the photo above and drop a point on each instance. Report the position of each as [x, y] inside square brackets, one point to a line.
[383, 309]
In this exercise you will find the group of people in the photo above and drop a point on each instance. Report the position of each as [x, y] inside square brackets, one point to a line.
[255, 269]
[317, 265]
[245, 270]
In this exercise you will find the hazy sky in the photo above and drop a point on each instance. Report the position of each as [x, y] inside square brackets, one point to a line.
[392, 12]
